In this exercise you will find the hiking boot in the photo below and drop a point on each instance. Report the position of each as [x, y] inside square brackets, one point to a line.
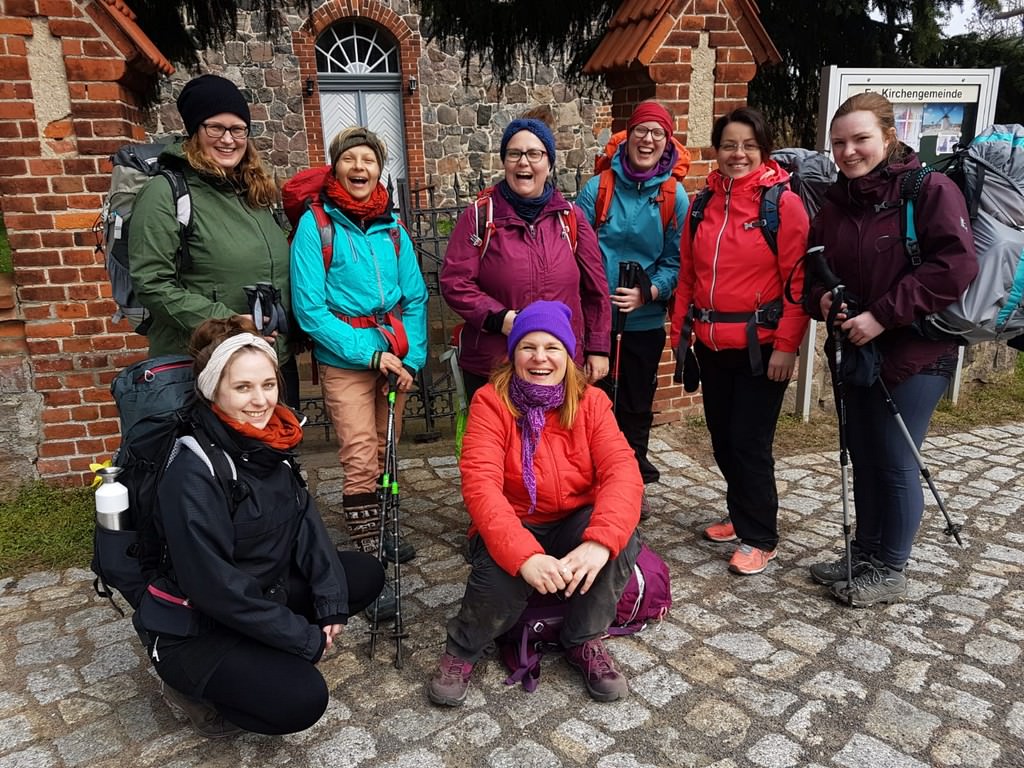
[721, 532]
[450, 684]
[386, 605]
[205, 720]
[747, 560]
[645, 506]
[875, 582]
[831, 572]
[406, 551]
[603, 681]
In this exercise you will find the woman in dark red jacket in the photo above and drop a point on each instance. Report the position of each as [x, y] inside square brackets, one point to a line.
[747, 333]
[859, 227]
[553, 492]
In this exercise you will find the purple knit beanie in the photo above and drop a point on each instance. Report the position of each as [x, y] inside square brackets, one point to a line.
[549, 316]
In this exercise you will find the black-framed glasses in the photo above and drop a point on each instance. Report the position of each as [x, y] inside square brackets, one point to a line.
[216, 131]
[641, 131]
[533, 155]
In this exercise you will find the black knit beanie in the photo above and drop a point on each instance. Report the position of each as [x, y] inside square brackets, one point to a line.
[209, 95]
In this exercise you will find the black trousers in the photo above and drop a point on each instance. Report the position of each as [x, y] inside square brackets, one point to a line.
[637, 374]
[494, 600]
[260, 688]
[473, 382]
[742, 411]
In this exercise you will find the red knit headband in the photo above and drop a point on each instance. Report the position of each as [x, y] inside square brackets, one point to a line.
[648, 111]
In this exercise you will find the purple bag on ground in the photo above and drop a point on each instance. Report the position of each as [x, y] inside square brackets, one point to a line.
[647, 597]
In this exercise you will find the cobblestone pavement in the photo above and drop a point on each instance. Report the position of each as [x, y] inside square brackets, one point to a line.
[746, 671]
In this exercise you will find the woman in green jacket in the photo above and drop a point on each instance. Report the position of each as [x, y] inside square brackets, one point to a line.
[234, 239]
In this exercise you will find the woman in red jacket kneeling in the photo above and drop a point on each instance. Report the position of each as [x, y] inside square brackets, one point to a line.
[553, 492]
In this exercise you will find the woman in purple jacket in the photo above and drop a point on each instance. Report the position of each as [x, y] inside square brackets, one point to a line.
[859, 227]
[515, 246]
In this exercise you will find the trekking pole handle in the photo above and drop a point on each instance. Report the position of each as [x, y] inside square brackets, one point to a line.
[392, 381]
[816, 260]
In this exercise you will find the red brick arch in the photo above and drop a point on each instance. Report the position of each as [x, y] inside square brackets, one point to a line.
[409, 47]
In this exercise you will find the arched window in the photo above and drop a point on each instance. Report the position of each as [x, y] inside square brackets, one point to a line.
[360, 83]
[352, 48]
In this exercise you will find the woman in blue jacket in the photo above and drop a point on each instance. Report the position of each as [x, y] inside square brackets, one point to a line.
[367, 315]
[632, 228]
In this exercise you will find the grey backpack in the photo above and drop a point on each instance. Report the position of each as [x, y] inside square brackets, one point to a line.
[990, 172]
[133, 166]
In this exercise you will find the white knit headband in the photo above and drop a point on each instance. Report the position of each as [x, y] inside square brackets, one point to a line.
[209, 378]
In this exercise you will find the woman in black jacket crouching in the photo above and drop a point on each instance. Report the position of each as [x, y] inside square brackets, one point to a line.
[252, 592]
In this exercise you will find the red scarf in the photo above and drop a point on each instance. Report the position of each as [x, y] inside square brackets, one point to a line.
[359, 210]
[282, 432]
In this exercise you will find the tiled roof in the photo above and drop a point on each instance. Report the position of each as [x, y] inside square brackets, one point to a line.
[640, 27]
[124, 17]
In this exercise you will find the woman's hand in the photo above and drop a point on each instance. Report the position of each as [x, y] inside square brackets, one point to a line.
[862, 328]
[627, 299]
[595, 367]
[506, 323]
[826, 306]
[332, 631]
[390, 363]
[781, 365]
[584, 563]
[545, 573]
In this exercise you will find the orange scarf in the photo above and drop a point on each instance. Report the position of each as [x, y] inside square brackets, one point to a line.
[359, 210]
[282, 432]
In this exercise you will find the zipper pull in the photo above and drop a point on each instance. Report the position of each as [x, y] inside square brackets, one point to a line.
[156, 656]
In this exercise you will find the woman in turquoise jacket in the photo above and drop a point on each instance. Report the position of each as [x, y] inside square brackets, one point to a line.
[366, 313]
[638, 207]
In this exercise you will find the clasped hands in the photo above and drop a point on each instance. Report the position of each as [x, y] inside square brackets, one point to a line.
[576, 571]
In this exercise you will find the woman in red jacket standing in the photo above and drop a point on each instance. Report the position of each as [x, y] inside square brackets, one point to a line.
[553, 492]
[731, 283]
[859, 226]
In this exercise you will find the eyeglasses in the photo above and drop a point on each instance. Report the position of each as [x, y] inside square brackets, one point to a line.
[533, 155]
[216, 131]
[747, 149]
[641, 131]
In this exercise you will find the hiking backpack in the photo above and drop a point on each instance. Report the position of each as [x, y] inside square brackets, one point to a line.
[647, 597]
[810, 175]
[155, 400]
[990, 173]
[133, 166]
[666, 197]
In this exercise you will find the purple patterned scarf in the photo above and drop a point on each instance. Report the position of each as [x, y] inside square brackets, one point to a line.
[664, 164]
[533, 401]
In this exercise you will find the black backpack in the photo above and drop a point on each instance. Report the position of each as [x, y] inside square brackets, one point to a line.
[155, 399]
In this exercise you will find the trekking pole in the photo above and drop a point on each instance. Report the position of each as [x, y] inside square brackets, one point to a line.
[951, 529]
[816, 260]
[627, 279]
[389, 525]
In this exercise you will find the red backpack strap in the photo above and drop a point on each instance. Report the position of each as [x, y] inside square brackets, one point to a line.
[396, 237]
[570, 225]
[325, 227]
[483, 228]
[603, 201]
[667, 199]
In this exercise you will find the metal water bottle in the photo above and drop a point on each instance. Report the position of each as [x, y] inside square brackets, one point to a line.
[111, 501]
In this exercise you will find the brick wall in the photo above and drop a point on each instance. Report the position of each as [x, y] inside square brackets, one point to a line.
[55, 135]
[671, 78]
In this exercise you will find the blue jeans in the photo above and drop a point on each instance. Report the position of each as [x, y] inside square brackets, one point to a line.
[886, 483]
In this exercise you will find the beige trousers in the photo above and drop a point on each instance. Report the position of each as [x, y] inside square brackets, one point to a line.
[358, 406]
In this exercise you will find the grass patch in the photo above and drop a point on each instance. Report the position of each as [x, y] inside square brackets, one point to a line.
[6, 264]
[46, 527]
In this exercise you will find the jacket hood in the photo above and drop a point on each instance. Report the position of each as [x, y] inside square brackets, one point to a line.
[768, 174]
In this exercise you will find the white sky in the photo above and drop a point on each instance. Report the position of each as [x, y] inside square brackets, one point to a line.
[957, 23]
